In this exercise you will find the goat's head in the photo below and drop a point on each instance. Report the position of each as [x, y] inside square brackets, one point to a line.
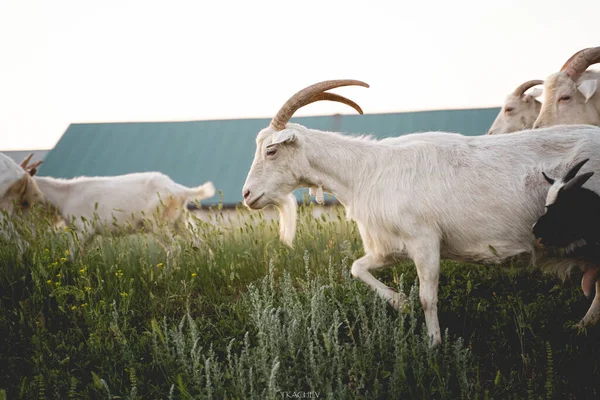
[566, 93]
[519, 110]
[280, 161]
[25, 192]
[571, 211]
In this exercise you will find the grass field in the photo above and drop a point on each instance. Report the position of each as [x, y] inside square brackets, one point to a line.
[241, 316]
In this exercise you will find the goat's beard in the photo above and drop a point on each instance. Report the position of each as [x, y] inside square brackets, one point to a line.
[287, 219]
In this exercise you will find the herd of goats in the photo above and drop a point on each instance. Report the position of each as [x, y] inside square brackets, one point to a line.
[421, 196]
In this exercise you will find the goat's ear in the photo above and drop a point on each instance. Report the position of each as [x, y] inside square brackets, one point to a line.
[536, 92]
[24, 186]
[284, 136]
[19, 188]
[578, 181]
[548, 179]
[588, 88]
[573, 171]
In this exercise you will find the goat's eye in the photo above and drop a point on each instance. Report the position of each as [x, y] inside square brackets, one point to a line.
[508, 109]
[564, 97]
[271, 152]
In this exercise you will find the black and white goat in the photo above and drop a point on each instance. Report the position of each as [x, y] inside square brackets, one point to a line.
[571, 223]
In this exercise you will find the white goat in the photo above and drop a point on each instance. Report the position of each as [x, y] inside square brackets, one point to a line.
[571, 95]
[16, 186]
[131, 201]
[420, 196]
[519, 111]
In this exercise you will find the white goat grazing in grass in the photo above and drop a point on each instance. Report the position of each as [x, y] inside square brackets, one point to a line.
[519, 110]
[420, 196]
[132, 201]
[572, 95]
[18, 193]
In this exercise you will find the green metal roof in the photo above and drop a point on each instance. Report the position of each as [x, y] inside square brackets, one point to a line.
[222, 150]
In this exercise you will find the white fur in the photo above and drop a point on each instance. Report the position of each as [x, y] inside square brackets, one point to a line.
[287, 219]
[130, 200]
[429, 195]
[583, 106]
[10, 175]
[517, 113]
[553, 192]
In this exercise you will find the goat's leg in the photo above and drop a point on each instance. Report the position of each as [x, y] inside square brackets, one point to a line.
[592, 316]
[360, 270]
[77, 244]
[427, 261]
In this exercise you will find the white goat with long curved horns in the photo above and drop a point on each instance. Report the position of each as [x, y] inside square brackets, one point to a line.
[571, 96]
[421, 196]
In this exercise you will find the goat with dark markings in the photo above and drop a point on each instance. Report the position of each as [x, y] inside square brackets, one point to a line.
[571, 224]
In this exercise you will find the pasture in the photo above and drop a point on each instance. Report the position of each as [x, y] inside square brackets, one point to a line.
[241, 316]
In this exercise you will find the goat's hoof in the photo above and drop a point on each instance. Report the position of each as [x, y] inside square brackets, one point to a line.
[580, 326]
[397, 300]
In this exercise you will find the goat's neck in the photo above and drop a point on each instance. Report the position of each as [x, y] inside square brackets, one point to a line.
[55, 191]
[337, 163]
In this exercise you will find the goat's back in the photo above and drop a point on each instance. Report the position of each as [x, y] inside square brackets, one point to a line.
[477, 193]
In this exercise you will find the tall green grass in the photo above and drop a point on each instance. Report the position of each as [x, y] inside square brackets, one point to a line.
[238, 315]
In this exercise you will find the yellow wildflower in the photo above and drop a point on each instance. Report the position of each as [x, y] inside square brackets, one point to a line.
[57, 283]
[49, 282]
[67, 253]
[194, 275]
[63, 260]
[88, 289]
[58, 275]
[123, 294]
[84, 305]
[159, 265]
[73, 308]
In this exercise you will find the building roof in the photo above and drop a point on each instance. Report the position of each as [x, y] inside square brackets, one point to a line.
[221, 150]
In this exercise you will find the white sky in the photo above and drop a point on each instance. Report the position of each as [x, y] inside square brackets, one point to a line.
[81, 61]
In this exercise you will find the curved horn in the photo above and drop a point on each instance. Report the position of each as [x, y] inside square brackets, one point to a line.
[580, 61]
[311, 94]
[573, 171]
[548, 179]
[520, 90]
[33, 168]
[26, 161]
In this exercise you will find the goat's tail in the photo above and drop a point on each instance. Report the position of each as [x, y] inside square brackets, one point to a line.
[193, 195]
[202, 192]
